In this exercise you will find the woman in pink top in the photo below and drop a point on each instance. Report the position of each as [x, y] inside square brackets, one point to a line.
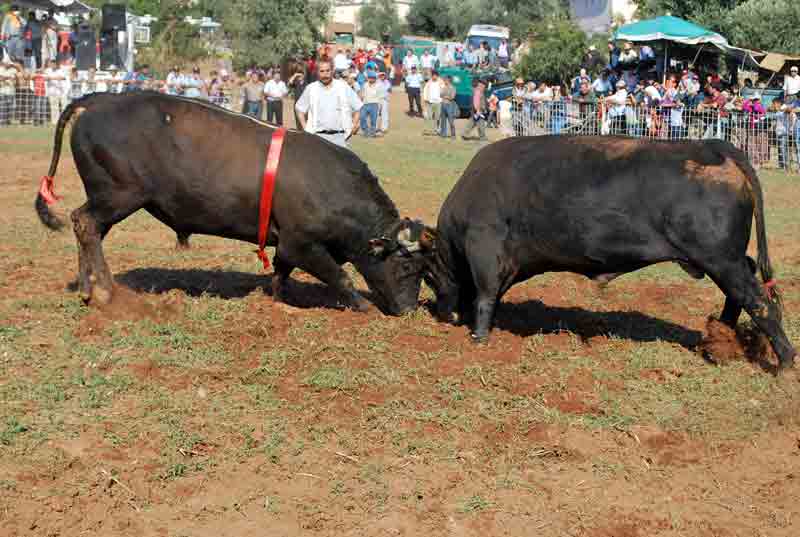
[756, 147]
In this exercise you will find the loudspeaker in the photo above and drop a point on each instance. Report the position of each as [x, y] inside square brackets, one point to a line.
[113, 17]
[85, 49]
[109, 52]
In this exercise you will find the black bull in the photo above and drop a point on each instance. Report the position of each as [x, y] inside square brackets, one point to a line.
[198, 169]
[603, 207]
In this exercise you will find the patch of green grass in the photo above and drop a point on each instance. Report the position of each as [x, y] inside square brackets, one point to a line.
[329, 378]
[474, 504]
[12, 429]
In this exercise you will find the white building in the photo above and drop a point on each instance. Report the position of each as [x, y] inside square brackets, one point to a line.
[598, 15]
[346, 11]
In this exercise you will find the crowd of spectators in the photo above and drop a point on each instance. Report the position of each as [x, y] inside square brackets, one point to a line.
[626, 96]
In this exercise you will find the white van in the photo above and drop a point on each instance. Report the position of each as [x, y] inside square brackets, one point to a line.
[489, 33]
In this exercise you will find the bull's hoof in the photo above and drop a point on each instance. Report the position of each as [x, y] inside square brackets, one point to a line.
[100, 296]
[478, 339]
[277, 291]
[360, 305]
[785, 365]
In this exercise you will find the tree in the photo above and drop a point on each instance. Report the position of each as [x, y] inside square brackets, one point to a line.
[379, 18]
[432, 18]
[770, 25]
[268, 31]
[557, 48]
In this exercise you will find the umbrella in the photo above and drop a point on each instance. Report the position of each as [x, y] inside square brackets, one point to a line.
[668, 28]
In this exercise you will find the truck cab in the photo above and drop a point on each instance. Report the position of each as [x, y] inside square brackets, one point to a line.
[490, 33]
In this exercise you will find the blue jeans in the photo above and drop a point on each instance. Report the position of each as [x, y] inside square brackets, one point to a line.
[447, 121]
[369, 114]
[797, 147]
[783, 151]
[557, 123]
[253, 109]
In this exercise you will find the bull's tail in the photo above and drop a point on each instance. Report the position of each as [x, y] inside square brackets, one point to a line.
[46, 195]
[764, 263]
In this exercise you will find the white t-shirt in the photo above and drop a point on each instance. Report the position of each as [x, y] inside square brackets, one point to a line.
[433, 92]
[101, 81]
[328, 110]
[652, 93]
[543, 95]
[275, 90]
[54, 87]
[413, 80]
[341, 62]
[427, 61]
[409, 62]
[618, 101]
[791, 85]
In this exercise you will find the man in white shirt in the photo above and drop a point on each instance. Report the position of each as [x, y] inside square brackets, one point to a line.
[175, 81]
[387, 95]
[427, 61]
[413, 89]
[194, 85]
[274, 91]
[409, 61]
[432, 95]
[341, 62]
[791, 87]
[329, 108]
[55, 90]
[616, 108]
[502, 53]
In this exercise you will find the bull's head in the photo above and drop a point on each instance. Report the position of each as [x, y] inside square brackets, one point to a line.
[397, 261]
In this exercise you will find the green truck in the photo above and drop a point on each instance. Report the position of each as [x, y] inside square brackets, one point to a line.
[500, 82]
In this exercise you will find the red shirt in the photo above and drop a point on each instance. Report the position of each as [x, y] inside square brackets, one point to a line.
[39, 85]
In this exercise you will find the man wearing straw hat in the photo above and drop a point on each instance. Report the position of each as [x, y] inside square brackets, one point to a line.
[791, 87]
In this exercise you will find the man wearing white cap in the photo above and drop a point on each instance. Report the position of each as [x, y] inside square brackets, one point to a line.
[616, 108]
[791, 87]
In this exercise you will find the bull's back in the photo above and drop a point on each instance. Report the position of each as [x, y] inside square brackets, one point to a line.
[578, 199]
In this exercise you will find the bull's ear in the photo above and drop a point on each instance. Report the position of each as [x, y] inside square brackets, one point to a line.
[427, 239]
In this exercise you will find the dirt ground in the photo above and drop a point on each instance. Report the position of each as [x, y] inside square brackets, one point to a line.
[196, 406]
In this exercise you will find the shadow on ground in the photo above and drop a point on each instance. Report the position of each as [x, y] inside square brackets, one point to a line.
[228, 285]
[535, 317]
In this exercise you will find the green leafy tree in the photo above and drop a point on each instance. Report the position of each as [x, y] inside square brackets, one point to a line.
[556, 52]
[432, 18]
[268, 31]
[379, 18]
[771, 25]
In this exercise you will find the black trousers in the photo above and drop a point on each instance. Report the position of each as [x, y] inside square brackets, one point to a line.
[414, 97]
[275, 109]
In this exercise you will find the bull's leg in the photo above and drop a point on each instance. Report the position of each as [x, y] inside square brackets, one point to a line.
[317, 261]
[283, 269]
[84, 286]
[183, 241]
[732, 310]
[486, 277]
[99, 285]
[737, 281]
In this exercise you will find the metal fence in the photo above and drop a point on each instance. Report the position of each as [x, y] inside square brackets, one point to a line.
[770, 139]
[28, 103]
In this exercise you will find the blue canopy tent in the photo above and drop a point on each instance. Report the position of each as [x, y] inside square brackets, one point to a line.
[669, 29]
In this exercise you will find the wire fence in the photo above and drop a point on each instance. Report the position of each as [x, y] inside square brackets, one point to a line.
[31, 102]
[771, 139]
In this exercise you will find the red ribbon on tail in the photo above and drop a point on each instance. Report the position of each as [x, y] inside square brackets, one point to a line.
[268, 190]
[47, 190]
